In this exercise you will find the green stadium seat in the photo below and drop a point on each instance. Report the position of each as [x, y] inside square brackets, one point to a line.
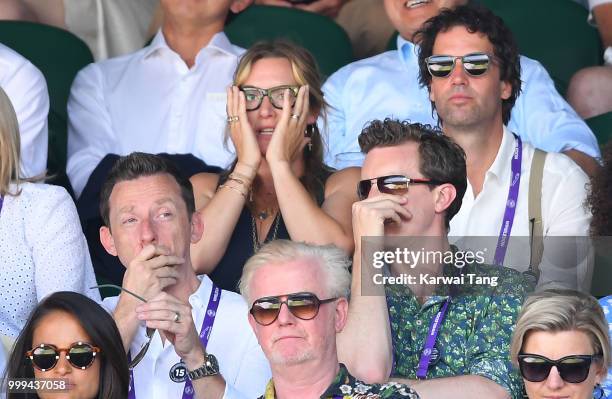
[554, 32]
[325, 39]
[59, 55]
[601, 125]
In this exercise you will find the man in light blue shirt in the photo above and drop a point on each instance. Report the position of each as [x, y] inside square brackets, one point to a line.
[387, 85]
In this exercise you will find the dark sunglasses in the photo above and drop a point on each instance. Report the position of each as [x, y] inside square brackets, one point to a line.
[573, 369]
[393, 184]
[80, 355]
[474, 64]
[254, 96]
[303, 305]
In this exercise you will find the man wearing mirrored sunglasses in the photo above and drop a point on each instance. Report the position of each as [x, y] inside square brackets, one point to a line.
[190, 339]
[298, 294]
[447, 337]
[387, 85]
[470, 65]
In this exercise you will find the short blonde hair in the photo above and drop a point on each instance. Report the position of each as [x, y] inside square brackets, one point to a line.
[331, 259]
[10, 145]
[558, 310]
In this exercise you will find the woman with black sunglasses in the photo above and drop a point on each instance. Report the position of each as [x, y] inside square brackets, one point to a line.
[69, 348]
[278, 186]
[561, 345]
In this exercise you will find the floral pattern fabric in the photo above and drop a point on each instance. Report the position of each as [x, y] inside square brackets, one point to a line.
[474, 338]
[346, 386]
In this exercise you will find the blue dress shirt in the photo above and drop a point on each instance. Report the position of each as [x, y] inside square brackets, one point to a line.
[387, 85]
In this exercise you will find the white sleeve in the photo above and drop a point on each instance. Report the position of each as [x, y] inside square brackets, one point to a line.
[27, 90]
[90, 131]
[333, 129]
[59, 249]
[545, 119]
[595, 3]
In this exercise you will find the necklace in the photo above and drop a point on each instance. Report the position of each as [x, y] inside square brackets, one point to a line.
[256, 244]
[266, 213]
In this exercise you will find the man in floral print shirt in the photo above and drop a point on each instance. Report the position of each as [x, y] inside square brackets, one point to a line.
[299, 339]
[448, 339]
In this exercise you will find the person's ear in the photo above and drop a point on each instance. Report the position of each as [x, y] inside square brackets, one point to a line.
[238, 6]
[445, 195]
[106, 238]
[197, 227]
[341, 314]
[506, 90]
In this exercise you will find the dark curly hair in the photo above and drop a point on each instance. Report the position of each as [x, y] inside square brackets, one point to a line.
[440, 157]
[600, 197]
[476, 19]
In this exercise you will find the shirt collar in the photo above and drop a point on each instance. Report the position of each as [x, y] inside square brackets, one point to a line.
[218, 42]
[408, 51]
[199, 299]
[500, 168]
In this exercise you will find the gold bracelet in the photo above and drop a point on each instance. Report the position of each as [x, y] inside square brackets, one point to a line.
[237, 180]
[234, 188]
[240, 176]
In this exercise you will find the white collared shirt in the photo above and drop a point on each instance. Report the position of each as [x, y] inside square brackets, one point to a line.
[26, 87]
[151, 101]
[564, 191]
[242, 363]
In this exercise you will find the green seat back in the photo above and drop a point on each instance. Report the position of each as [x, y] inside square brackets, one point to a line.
[554, 32]
[601, 125]
[325, 39]
[59, 55]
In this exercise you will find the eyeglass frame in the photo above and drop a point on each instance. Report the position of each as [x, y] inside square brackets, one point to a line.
[491, 59]
[557, 363]
[58, 351]
[408, 182]
[266, 93]
[318, 302]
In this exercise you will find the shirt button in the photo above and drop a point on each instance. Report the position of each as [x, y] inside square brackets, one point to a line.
[419, 322]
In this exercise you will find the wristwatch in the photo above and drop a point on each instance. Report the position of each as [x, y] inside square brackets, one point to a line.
[209, 368]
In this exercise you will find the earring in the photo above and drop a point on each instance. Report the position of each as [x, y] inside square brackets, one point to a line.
[309, 146]
[598, 392]
[311, 129]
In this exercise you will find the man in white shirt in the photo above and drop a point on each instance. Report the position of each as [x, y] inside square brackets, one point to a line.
[470, 64]
[26, 87]
[201, 344]
[387, 85]
[168, 97]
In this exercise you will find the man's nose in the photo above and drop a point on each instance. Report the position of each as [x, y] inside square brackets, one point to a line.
[285, 317]
[147, 232]
[458, 74]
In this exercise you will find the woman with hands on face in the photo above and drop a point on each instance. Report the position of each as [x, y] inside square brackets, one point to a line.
[278, 186]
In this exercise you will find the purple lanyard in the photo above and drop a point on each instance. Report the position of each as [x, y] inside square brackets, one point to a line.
[207, 324]
[1, 202]
[430, 342]
[513, 192]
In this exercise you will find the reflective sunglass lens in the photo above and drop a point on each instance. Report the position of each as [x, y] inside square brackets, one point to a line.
[574, 370]
[44, 358]
[440, 66]
[81, 355]
[396, 185]
[476, 64]
[363, 189]
[303, 307]
[265, 311]
[534, 369]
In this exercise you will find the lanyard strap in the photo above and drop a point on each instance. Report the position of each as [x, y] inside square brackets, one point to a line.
[1, 202]
[430, 341]
[513, 192]
[207, 324]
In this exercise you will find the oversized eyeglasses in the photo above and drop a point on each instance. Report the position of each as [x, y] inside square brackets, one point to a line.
[393, 184]
[80, 355]
[303, 305]
[573, 369]
[254, 96]
[474, 64]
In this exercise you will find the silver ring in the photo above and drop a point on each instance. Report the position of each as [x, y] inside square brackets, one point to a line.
[177, 317]
[232, 119]
[295, 116]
